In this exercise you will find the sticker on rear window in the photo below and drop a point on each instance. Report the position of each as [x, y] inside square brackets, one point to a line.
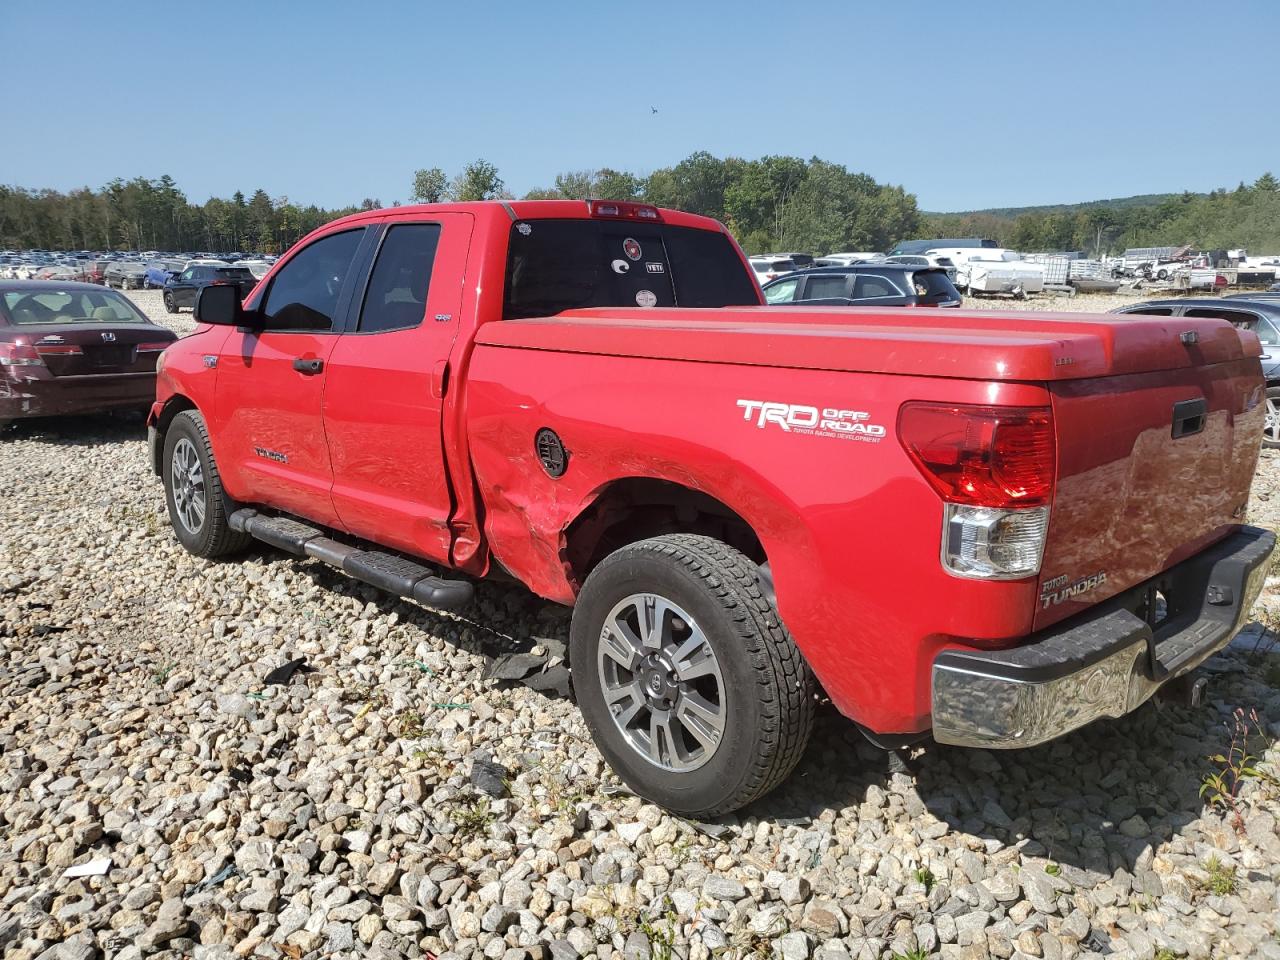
[620, 266]
[524, 229]
[632, 249]
[646, 298]
[652, 267]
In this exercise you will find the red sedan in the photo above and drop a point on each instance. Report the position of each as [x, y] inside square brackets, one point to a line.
[70, 348]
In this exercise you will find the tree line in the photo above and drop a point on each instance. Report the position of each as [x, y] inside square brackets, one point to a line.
[774, 203]
[1248, 216]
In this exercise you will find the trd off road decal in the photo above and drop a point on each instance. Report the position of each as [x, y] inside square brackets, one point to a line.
[812, 421]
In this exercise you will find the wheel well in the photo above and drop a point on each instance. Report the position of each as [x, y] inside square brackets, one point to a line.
[175, 406]
[638, 508]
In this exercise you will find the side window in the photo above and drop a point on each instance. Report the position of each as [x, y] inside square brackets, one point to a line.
[305, 291]
[826, 287]
[870, 285]
[1153, 311]
[396, 297]
[1266, 332]
[783, 292]
[1235, 316]
[187, 275]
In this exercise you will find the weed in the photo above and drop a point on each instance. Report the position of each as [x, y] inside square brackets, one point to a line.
[1052, 869]
[410, 725]
[161, 674]
[474, 818]
[919, 953]
[1222, 878]
[661, 931]
[1235, 766]
[925, 876]
[1164, 953]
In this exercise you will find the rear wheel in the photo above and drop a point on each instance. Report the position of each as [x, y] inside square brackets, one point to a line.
[692, 687]
[1271, 427]
[198, 506]
[169, 305]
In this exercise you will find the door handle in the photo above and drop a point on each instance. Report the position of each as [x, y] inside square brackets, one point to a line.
[1189, 417]
[309, 367]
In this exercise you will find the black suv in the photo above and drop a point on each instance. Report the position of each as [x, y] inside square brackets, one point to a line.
[865, 285]
[180, 291]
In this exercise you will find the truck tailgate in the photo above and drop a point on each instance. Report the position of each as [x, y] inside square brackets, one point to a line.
[1152, 468]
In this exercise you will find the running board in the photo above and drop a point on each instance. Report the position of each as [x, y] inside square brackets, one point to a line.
[386, 571]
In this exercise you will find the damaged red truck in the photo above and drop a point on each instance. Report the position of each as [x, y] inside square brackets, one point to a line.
[989, 527]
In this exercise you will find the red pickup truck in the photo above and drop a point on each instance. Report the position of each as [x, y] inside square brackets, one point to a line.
[989, 527]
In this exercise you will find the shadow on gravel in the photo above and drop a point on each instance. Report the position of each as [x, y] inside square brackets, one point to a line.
[1092, 802]
[86, 430]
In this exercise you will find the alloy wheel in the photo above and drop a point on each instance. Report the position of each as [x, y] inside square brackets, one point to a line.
[662, 683]
[187, 476]
[1271, 428]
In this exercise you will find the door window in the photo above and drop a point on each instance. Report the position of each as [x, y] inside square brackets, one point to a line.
[304, 293]
[870, 285]
[823, 288]
[1266, 332]
[782, 292]
[397, 294]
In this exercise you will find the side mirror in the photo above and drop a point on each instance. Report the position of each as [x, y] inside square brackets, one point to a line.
[220, 306]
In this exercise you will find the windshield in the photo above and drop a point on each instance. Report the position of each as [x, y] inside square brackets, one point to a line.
[557, 265]
[72, 306]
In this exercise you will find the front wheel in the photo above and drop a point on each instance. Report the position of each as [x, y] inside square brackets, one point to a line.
[169, 305]
[690, 683]
[198, 506]
[1271, 427]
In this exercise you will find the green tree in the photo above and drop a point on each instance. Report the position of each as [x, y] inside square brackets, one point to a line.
[478, 180]
[429, 185]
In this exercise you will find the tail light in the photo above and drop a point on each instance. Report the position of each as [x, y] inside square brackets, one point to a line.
[19, 355]
[153, 347]
[615, 209]
[993, 467]
[59, 350]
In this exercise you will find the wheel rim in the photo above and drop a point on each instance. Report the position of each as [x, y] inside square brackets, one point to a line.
[187, 476]
[662, 683]
[1271, 429]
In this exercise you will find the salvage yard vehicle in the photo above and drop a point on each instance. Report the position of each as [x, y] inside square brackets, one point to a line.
[881, 284]
[180, 289]
[989, 527]
[74, 348]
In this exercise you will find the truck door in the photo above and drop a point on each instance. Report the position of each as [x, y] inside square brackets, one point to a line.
[271, 446]
[385, 384]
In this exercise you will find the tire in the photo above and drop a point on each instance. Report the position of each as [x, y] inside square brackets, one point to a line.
[169, 305]
[752, 693]
[1271, 426]
[204, 532]
[1162, 274]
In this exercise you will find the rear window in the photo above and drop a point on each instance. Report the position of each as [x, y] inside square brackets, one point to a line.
[233, 273]
[558, 265]
[933, 286]
[69, 306]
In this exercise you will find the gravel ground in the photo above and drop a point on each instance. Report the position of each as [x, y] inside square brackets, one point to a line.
[389, 801]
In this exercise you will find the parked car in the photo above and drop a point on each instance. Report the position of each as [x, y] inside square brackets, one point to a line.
[926, 260]
[728, 496]
[124, 274]
[844, 259]
[180, 290]
[69, 347]
[159, 272]
[259, 268]
[770, 268]
[1259, 315]
[881, 284]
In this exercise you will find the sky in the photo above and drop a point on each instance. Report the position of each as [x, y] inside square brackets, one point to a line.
[966, 105]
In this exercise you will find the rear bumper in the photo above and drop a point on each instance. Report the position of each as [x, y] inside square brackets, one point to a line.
[61, 396]
[1106, 662]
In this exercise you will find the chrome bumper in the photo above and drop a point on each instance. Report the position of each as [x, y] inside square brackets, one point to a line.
[1104, 663]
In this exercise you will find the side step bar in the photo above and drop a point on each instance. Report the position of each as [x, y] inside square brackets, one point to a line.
[386, 571]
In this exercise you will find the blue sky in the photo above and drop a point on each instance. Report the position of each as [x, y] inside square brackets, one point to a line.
[967, 105]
